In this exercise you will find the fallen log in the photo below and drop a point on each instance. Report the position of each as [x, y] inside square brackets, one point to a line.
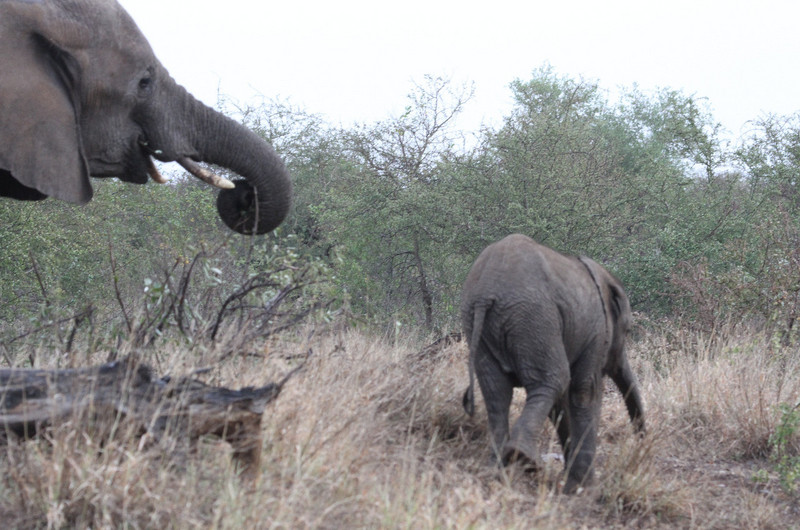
[125, 398]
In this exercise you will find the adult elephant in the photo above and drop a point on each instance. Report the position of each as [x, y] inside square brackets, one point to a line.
[82, 94]
[554, 325]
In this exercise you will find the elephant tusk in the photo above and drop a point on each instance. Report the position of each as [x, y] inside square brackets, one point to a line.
[205, 175]
[152, 170]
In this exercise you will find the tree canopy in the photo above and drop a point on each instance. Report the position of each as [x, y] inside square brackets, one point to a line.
[692, 223]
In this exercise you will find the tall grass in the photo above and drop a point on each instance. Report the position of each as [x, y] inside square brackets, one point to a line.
[371, 434]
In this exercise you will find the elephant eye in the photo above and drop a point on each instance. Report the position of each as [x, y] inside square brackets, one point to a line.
[146, 81]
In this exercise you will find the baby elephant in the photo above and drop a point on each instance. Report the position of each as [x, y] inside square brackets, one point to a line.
[554, 325]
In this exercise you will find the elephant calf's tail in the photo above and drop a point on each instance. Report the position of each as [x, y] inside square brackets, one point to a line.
[478, 316]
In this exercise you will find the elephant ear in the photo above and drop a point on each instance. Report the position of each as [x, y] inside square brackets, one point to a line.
[620, 306]
[40, 143]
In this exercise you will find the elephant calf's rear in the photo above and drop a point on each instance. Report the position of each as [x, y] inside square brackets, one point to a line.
[554, 325]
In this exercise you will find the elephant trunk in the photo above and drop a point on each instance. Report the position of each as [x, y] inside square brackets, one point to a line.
[259, 202]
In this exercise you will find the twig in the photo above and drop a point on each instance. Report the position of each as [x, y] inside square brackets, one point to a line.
[39, 278]
[5, 353]
[77, 321]
[50, 324]
[183, 289]
[296, 369]
[116, 286]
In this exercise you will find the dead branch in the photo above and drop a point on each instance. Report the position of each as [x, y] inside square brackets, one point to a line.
[125, 398]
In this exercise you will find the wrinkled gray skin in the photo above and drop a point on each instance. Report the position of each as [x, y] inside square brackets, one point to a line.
[81, 94]
[554, 325]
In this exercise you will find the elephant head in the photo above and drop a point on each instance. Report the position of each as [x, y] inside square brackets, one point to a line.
[82, 94]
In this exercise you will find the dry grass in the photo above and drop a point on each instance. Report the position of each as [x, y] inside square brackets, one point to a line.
[372, 435]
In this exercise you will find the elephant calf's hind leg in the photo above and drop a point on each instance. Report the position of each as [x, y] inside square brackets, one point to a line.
[584, 415]
[497, 389]
[523, 445]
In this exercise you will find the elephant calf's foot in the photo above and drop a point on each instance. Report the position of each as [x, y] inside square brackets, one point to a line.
[580, 474]
[526, 458]
[574, 484]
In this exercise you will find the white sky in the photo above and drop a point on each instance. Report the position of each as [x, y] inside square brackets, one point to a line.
[355, 60]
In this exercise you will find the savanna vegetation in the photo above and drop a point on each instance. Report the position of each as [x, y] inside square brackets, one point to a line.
[702, 229]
